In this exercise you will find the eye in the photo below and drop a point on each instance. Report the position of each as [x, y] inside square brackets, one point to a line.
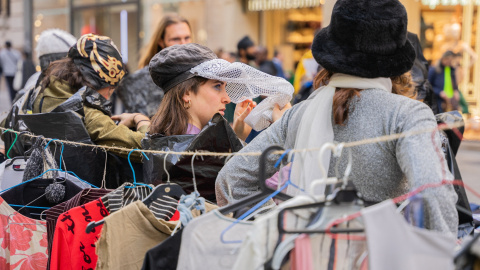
[218, 86]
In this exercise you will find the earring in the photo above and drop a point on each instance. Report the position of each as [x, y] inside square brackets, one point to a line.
[187, 105]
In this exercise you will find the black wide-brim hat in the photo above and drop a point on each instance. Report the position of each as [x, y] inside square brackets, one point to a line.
[365, 38]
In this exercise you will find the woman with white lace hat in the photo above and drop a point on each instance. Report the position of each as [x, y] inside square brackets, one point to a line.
[365, 53]
[198, 85]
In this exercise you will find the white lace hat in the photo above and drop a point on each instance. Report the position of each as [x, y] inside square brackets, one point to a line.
[245, 82]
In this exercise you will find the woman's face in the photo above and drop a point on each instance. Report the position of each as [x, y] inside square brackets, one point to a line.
[211, 98]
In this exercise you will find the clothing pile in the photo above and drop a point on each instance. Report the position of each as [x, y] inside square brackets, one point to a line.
[53, 223]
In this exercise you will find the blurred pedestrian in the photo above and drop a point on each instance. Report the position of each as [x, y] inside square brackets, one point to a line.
[263, 63]
[9, 58]
[137, 91]
[278, 61]
[52, 45]
[444, 82]
[246, 50]
[25, 69]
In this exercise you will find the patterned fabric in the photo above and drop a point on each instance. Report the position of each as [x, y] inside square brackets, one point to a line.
[72, 247]
[85, 196]
[99, 61]
[23, 240]
[164, 207]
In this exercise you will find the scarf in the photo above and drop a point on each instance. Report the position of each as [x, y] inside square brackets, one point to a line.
[448, 85]
[316, 128]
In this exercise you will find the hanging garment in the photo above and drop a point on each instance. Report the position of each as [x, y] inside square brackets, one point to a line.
[72, 247]
[26, 193]
[128, 234]
[394, 244]
[328, 253]
[52, 214]
[23, 240]
[302, 254]
[164, 207]
[259, 245]
[202, 245]
[165, 255]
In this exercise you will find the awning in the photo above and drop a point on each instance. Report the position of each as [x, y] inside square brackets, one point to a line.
[259, 5]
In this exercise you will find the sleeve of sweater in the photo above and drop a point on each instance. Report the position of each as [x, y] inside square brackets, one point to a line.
[103, 131]
[240, 174]
[422, 161]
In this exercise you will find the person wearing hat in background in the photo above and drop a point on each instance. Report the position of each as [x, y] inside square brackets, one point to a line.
[94, 62]
[365, 53]
[137, 90]
[52, 45]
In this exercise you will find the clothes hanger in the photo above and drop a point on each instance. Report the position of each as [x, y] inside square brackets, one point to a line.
[167, 189]
[264, 190]
[263, 159]
[135, 184]
[94, 224]
[340, 195]
[346, 193]
[13, 143]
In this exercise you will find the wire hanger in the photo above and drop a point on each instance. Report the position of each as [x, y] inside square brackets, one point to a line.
[167, 189]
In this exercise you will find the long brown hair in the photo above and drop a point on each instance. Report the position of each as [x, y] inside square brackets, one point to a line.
[152, 47]
[64, 70]
[401, 85]
[172, 116]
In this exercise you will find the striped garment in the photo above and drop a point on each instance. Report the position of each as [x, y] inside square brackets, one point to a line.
[163, 207]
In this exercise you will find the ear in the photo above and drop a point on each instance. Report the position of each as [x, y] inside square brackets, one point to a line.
[186, 97]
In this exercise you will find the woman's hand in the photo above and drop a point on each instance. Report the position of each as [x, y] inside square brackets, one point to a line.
[242, 110]
[131, 120]
[278, 113]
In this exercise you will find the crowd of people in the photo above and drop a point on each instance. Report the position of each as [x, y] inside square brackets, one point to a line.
[365, 86]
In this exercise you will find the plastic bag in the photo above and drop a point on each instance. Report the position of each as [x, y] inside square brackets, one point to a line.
[65, 123]
[217, 137]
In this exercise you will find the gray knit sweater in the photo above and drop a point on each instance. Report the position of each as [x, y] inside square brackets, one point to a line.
[380, 171]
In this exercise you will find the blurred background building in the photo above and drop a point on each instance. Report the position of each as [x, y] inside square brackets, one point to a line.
[286, 26]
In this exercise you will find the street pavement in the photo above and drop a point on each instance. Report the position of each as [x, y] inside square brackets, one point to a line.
[468, 159]
[468, 156]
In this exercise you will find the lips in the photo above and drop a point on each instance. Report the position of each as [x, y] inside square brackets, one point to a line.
[222, 111]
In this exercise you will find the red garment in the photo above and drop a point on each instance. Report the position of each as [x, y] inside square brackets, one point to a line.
[72, 247]
[175, 216]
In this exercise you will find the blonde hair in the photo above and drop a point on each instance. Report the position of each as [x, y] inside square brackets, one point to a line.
[152, 47]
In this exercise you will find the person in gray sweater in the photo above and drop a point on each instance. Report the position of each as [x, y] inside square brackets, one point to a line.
[358, 102]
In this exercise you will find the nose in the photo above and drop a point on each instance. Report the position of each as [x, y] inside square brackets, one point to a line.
[226, 98]
[184, 41]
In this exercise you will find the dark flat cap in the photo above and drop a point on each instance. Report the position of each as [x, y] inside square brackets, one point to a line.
[172, 65]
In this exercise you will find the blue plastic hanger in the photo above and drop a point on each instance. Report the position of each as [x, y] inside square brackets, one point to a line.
[258, 205]
[133, 171]
[14, 141]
